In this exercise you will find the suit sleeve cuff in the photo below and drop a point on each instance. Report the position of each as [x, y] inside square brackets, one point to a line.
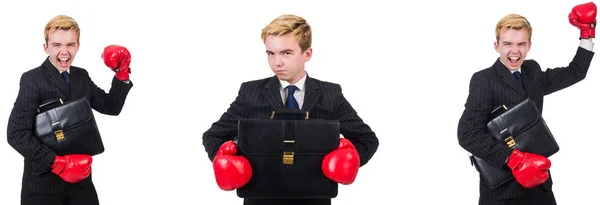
[587, 44]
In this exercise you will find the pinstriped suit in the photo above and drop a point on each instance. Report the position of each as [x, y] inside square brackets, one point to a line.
[496, 86]
[40, 84]
[323, 100]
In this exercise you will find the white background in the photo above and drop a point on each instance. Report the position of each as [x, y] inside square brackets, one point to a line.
[404, 67]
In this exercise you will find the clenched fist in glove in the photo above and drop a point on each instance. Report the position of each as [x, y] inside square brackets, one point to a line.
[583, 16]
[231, 171]
[72, 168]
[529, 169]
[118, 58]
[342, 164]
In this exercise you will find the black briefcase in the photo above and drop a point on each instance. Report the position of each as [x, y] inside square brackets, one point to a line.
[68, 127]
[286, 156]
[520, 127]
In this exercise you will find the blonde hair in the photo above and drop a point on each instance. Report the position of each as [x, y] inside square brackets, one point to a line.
[286, 24]
[61, 22]
[513, 21]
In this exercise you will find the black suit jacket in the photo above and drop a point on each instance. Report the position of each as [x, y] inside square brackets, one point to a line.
[43, 83]
[496, 86]
[323, 100]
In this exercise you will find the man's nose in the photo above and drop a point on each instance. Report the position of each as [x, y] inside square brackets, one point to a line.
[278, 62]
[63, 50]
[514, 50]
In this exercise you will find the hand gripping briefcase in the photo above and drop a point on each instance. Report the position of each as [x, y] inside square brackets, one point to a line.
[286, 156]
[519, 127]
[68, 127]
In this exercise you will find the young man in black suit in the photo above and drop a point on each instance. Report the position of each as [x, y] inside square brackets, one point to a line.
[508, 81]
[49, 178]
[288, 47]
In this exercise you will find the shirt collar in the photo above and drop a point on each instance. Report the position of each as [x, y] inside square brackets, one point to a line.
[300, 84]
[513, 71]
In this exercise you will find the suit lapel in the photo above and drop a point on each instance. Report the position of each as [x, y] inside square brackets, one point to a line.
[311, 95]
[55, 78]
[527, 79]
[272, 94]
[508, 77]
[76, 81]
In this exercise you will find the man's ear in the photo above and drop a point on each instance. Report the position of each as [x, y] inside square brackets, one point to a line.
[496, 46]
[307, 54]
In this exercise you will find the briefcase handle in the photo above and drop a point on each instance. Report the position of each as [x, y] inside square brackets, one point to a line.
[49, 103]
[289, 111]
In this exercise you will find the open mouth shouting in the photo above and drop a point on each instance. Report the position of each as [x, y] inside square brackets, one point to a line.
[63, 61]
[514, 60]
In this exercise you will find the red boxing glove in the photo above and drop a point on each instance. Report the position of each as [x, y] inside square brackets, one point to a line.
[583, 16]
[231, 172]
[118, 58]
[529, 169]
[342, 164]
[72, 168]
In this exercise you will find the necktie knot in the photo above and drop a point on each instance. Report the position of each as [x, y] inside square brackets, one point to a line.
[291, 89]
[518, 76]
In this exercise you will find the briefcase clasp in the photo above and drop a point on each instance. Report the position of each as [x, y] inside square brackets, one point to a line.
[510, 142]
[59, 135]
[288, 153]
[288, 157]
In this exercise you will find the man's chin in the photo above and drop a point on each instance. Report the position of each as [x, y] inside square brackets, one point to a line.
[281, 77]
[512, 66]
[60, 68]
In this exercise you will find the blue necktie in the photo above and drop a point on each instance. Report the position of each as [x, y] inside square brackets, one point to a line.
[291, 101]
[518, 76]
[65, 75]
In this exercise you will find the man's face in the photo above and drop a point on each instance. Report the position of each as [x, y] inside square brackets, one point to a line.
[286, 58]
[513, 46]
[62, 47]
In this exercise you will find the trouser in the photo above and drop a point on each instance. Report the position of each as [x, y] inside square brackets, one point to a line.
[537, 196]
[74, 194]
